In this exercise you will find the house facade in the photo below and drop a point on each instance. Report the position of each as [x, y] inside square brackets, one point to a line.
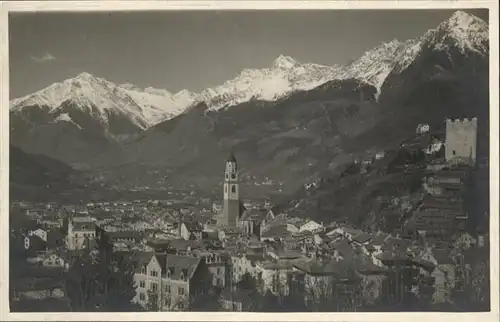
[168, 282]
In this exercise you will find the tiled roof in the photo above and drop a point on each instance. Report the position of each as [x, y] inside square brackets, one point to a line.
[361, 238]
[181, 265]
[254, 215]
[193, 225]
[363, 264]
[162, 261]
[423, 262]
[343, 247]
[330, 268]
[395, 243]
[181, 244]
[276, 266]
[389, 256]
[276, 231]
[140, 259]
[284, 254]
[124, 234]
[353, 232]
[83, 226]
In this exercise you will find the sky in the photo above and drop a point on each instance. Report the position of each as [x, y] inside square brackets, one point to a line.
[195, 50]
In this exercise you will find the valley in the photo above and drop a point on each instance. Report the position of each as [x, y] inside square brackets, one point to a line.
[325, 117]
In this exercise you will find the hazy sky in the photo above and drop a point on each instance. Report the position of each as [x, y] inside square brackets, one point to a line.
[197, 49]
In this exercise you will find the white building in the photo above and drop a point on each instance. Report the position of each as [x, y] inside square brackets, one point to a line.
[311, 226]
[79, 231]
[423, 128]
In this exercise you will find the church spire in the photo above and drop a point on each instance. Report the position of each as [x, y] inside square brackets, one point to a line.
[231, 211]
[231, 157]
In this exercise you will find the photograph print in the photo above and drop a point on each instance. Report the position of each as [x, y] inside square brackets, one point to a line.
[249, 161]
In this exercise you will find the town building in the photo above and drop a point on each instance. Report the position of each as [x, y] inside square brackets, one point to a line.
[461, 141]
[169, 282]
[79, 231]
[252, 221]
[232, 205]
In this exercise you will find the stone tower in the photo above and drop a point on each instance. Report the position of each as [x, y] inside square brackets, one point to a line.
[461, 141]
[232, 205]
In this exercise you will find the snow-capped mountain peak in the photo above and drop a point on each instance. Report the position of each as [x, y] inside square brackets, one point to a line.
[85, 76]
[467, 32]
[286, 75]
[285, 62]
[463, 20]
[143, 107]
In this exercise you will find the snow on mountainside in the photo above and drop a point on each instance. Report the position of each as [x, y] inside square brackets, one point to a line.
[466, 31]
[287, 75]
[147, 107]
[143, 107]
[268, 84]
[64, 117]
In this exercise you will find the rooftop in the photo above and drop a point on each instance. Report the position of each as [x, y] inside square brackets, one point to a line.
[177, 265]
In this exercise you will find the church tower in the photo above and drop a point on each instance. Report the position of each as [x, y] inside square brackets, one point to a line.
[232, 205]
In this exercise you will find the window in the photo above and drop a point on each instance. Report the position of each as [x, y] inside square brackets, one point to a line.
[233, 176]
[168, 289]
[181, 291]
[153, 273]
[142, 296]
[454, 152]
[143, 270]
[181, 306]
[233, 189]
[169, 273]
[142, 284]
[154, 287]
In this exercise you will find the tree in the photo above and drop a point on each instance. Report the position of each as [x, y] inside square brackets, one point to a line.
[473, 293]
[320, 294]
[153, 304]
[247, 282]
[472, 290]
[99, 281]
[207, 302]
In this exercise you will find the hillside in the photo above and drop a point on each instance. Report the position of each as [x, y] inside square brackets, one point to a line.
[287, 136]
[82, 117]
[38, 176]
[286, 141]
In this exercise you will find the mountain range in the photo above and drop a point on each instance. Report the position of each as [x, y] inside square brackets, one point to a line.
[287, 123]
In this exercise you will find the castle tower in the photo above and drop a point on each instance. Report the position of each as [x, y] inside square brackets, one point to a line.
[232, 205]
[461, 141]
